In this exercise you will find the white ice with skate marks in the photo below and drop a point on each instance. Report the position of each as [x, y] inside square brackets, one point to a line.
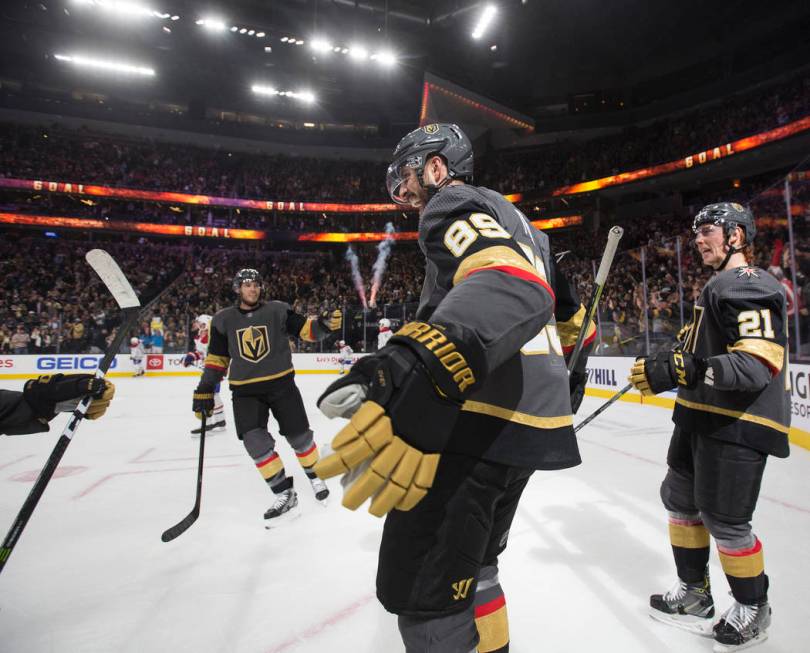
[587, 548]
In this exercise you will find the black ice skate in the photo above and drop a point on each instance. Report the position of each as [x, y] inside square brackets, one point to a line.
[320, 490]
[742, 626]
[283, 510]
[687, 605]
[209, 428]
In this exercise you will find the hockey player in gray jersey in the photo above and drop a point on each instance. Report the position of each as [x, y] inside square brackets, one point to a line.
[451, 417]
[731, 412]
[250, 341]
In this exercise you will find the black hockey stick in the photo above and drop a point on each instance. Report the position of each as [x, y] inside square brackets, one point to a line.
[604, 407]
[109, 272]
[182, 526]
[614, 236]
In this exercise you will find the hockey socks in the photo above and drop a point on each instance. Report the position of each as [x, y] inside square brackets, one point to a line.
[491, 619]
[690, 546]
[272, 470]
[745, 571]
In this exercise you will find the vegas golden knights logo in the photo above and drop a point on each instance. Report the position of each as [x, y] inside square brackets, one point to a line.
[432, 128]
[461, 588]
[254, 343]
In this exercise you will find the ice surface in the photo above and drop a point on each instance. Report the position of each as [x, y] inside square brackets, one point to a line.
[587, 547]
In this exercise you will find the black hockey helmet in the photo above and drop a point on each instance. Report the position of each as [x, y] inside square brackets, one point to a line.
[728, 215]
[246, 274]
[415, 148]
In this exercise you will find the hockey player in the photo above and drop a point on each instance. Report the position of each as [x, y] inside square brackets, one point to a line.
[384, 334]
[344, 356]
[731, 412]
[136, 354]
[201, 329]
[43, 398]
[250, 342]
[451, 418]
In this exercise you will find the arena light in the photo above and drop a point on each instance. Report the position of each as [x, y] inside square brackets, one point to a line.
[385, 58]
[484, 21]
[259, 89]
[305, 96]
[358, 53]
[103, 64]
[212, 24]
[320, 45]
[124, 8]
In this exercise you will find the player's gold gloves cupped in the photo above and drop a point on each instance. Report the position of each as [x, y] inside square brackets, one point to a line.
[403, 402]
[58, 393]
[666, 370]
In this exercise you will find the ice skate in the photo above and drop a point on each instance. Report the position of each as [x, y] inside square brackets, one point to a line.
[283, 510]
[742, 626]
[320, 489]
[688, 606]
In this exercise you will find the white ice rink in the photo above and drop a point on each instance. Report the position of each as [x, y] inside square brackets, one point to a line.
[587, 547]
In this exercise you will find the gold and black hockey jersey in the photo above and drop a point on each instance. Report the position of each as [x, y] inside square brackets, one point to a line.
[740, 327]
[253, 346]
[490, 270]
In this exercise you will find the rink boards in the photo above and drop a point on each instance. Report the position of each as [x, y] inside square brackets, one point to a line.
[607, 375]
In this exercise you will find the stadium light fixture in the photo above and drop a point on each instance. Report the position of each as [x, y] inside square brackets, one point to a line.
[259, 89]
[358, 53]
[284, 39]
[124, 8]
[385, 58]
[212, 24]
[320, 45]
[103, 64]
[484, 21]
[308, 97]
[305, 96]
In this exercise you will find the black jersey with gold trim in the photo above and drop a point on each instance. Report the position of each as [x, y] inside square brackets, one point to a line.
[740, 328]
[253, 345]
[489, 269]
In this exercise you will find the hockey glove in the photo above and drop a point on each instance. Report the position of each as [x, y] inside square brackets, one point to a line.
[409, 395]
[58, 393]
[203, 402]
[576, 387]
[331, 321]
[667, 370]
[191, 358]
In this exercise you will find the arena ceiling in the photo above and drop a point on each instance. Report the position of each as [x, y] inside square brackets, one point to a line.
[545, 50]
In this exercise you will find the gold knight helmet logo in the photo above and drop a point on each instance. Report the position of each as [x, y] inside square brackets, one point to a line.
[254, 343]
[432, 128]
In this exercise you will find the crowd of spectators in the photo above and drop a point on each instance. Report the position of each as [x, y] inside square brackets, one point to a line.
[81, 156]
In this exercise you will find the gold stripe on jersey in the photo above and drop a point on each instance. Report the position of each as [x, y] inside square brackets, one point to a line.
[306, 332]
[257, 379]
[518, 417]
[569, 330]
[745, 417]
[219, 362]
[493, 257]
[767, 350]
[743, 566]
[694, 536]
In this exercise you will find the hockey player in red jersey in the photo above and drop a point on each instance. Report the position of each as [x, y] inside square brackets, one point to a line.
[200, 335]
[732, 411]
[451, 417]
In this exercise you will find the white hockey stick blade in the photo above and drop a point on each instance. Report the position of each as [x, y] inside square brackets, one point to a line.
[614, 236]
[109, 272]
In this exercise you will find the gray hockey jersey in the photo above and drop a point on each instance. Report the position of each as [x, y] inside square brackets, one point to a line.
[480, 253]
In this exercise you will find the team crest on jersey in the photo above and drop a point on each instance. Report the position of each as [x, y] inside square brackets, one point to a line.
[737, 207]
[254, 343]
[432, 128]
[747, 272]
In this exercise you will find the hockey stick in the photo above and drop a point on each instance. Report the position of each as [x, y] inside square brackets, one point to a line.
[614, 236]
[121, 290]
[604, 407]
[182, 526]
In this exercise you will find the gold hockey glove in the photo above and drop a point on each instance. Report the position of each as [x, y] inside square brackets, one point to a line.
[409, 395]
[203, 401]
[331, 321]
[55, 393]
